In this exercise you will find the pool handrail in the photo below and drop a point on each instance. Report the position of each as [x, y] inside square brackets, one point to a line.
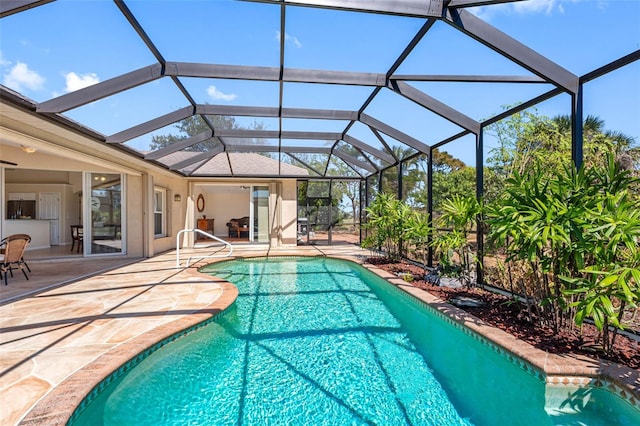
[206, 234]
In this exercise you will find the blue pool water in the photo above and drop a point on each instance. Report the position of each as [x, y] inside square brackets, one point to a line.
[314, 341]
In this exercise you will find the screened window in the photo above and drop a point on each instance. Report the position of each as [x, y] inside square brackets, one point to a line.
[159, 212]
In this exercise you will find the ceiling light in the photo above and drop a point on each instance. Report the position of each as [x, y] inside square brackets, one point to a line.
[28, 149]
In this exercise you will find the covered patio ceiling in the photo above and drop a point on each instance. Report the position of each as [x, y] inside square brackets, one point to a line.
[379, 83]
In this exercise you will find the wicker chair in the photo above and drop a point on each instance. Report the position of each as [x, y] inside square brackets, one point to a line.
[12, 255]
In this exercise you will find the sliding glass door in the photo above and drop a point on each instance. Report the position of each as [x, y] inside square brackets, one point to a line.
[103, 227]
[259, 232]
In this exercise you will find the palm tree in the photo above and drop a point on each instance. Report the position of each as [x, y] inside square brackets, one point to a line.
[595, 137]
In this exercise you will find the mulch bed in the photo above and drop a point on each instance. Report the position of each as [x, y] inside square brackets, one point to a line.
[509, 316]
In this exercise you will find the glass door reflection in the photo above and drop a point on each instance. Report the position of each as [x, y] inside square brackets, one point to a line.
[259, 232]
[105, 234]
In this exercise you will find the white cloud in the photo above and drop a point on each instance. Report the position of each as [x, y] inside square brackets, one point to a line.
[521, 8]
[290, 38]
[79, 81]
[3, 61]
[536, 6]
[20, 77]
[218, 95]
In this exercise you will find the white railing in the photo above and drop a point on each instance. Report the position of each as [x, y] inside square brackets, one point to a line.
[206, 234]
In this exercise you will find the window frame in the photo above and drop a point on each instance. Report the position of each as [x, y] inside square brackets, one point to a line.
[162, 212]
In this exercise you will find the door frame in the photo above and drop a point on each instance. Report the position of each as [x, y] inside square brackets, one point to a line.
[87, 219]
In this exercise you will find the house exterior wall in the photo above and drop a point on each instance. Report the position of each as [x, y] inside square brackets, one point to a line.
[135, 208]
[58, 163]
[289, 212]
[63, 155]
[175, 211]
[225, 207]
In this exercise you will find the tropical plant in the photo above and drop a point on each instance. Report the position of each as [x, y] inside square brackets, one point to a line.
[577, 232]
[387, 219]
[418, 233]
[456, 183]
[610, 281]
[459, 215]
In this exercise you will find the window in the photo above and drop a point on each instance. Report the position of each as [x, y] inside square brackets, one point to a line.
[159, 212]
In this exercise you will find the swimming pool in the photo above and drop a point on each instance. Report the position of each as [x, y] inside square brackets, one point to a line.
[324, 341]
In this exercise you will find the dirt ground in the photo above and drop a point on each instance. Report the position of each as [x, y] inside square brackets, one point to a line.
[337, 237]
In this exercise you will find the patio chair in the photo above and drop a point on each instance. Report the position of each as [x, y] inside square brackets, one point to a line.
[12, 255]
[239, 227]
[77, 237]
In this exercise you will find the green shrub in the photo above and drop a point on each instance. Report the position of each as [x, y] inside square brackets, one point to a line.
[578, 231]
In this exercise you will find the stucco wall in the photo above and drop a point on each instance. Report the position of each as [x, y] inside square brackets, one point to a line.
[176, 211]
[135, 215]
[289, 212]
[222, 208]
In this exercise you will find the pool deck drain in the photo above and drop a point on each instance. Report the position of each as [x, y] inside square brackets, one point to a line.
[57, 345]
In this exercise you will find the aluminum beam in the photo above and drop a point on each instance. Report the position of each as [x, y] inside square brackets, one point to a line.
[256, 147]
[280, 175]
[368, 148]
[470, 78]
[384, 143]
[179, 146]
[435, 106]
[329, 136]
[305, 150]
[232, 72]
[449, 139]
[293, 75]
[611, 66]
[240, 147]
[200, 157]
[418, 8]
[304, 163]
[9, 7]
[512, 49]
[321, 114]
[244, 111]
[475, 3]
[133, 21]
[101, 90]
[150, 126]
[254, 111]
[523, 106]
[274, 134]
[337, 159]
[247, 133]
[333, 77]
[394, 133]
[353, 161]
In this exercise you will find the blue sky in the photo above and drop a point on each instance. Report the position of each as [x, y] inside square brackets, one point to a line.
[60, 47]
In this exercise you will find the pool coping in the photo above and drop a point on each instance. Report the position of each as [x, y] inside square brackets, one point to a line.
[58, 406]
[554, 369]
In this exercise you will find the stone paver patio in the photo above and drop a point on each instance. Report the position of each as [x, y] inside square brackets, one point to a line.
[58, 344]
